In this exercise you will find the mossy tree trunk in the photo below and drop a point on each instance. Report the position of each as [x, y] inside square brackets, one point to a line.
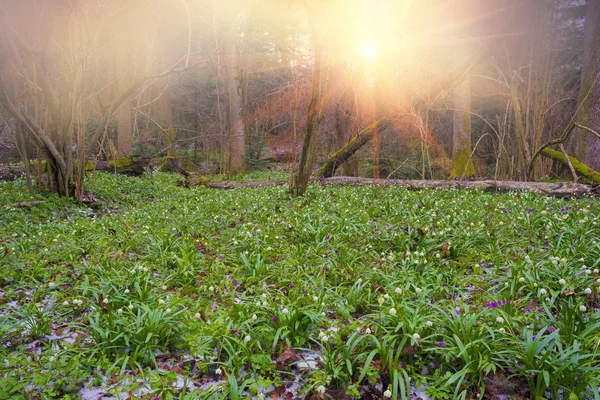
[313, 117]
[580, 168]
[356, 143]
[462, 163]
[583, 146]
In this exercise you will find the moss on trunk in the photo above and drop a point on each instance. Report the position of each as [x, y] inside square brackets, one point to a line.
[579, 167]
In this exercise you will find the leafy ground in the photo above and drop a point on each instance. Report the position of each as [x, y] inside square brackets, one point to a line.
[163, 292]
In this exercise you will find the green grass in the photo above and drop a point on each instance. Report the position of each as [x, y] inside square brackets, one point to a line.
[449, 291]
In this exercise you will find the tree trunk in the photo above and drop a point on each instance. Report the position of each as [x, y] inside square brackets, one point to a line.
[311, 136]
[168, 112]
[462, 162]
[123, 112]
[237, 139]
[583, 146]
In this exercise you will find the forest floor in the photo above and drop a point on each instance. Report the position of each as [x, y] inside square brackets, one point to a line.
[157, 291]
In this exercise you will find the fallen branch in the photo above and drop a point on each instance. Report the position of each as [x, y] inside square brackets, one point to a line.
[27, 204]
[342, 155]
[579, 167]
[559, 189]
[560, 141]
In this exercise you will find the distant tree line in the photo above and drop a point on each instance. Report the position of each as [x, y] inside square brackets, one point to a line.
[504, 89]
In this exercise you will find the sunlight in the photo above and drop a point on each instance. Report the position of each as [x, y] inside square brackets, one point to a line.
[369, 50]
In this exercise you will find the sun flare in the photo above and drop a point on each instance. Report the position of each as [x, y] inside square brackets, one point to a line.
[369, 50]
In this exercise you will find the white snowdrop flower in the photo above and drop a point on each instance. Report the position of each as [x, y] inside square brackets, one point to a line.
[161, 301]
[264, 295]
[521, 279]
[145, 269]
[380, 300]
[218, 371]
[247, 339]
[416, 336]
[52, 358]
[254, 317]
[130, 306]
[211, 289]
[106, 300]
[588, 271]
[554, 262]
[437, 255]
[321, 334]
[582, 308]
[429, 324]
[596, 270]
[386, 296]
[51, 284]
[260, 396]
[562, 281]
[368, 331]
[164, 287]
[323, 314]
[505, 283]
[387, 393]
[120, 311]
[265, 304]
[315, 298]
[500, 320]
[325, 338]
[258, 303]
[563, 260]
[197, 315]
[587, 291]
[398, 290]
[418, 290]
[285, 311]
[321, 389]
[543, 291]
[392, 311]
[535, 285]
[65, 303]
[502, 330]
[168, 310]
[126, 291]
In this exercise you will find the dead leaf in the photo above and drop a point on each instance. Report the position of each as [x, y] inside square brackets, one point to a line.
[286, 358]
[278, 392]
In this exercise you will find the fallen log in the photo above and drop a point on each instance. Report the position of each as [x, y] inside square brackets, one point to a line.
[579, 167]
[27, 204]
[558, 189]
[133, 165]
[11, 172]
[342, 155]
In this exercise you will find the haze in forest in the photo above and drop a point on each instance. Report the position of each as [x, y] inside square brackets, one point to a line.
[375, 88]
